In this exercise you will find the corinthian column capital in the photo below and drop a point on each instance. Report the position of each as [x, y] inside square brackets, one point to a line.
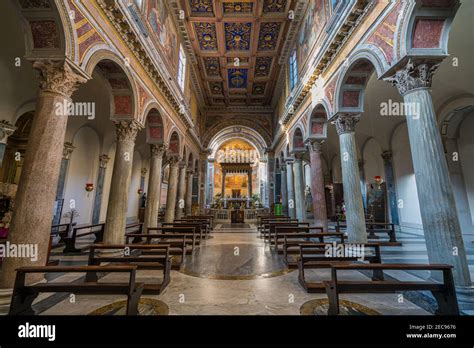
[158, 150]
[315, 145]
[103, 160]
[413, 76]
[345, 123]
[57, 76]
[67, 150]
[127, 130]
[6, 129]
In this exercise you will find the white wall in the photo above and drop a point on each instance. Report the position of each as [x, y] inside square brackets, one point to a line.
[373, 162]
[410, 216]
[466, 154]
[82, 169]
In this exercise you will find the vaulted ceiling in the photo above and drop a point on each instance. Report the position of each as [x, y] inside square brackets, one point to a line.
[237, 44]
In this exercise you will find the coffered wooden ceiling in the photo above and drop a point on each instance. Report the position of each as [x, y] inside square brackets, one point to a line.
[237, 44]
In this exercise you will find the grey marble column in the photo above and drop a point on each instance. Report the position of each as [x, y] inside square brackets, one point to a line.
[103, 160]
[189, 191]
[345, 126]
[117, 207]
[299, 187]
[291, 188]
[180, 202]
[391, 188]
[284, 189]
[6, 129]
[203, 180]
[67, 151]
[154, 186]
[271, 178]
[363, 188]
[172, 189]
[31, 220]
[459, 187]
[210, 182]
[317, 185]
[438, 208]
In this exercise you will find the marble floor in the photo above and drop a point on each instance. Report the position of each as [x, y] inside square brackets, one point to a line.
[232, 273]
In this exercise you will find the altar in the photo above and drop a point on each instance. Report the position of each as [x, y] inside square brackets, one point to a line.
[237, 216]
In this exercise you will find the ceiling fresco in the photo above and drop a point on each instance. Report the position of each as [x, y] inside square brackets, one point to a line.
[237, 44]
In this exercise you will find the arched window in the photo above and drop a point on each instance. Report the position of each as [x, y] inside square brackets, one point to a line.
[293, 70]
[181, 68]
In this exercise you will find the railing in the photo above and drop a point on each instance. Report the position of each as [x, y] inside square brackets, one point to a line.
[224, 215]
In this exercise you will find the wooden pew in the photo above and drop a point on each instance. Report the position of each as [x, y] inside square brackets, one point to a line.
[273, 227]
[62, 230]
[313, 256]
[444, 292]
[198, 230]
[381, 227]
[204, 225]
[264, 219]
[209, 218]
[178, 231]
[70, 241]
[24, 295]
[292, 242]
[177, 244]
[282, 230]
[265, 229]
[157, 257]
[135, 227]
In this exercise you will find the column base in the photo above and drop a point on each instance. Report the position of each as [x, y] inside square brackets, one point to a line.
[465, 295]
[5, 300]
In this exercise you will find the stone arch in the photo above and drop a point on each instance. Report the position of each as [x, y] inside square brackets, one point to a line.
[317, 121]
[174, 144]
[244, 124]
[154, 125]
[297, 139]
[123, 89]
[190, 161]
[243, 133]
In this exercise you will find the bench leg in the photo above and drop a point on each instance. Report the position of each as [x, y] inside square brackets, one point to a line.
[333, 297]
[392, 237]
[70, 246]
[447, 303]
[21, 303]
[133, 301]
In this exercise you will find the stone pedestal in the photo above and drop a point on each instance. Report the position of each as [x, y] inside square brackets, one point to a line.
[291, 188]
[317, 185]
[189, 192]
[284, 190]
[120, 184]
[31, 220]
[103, 160]
[180, 203]
[154, 186]
[356, 229]
[172, 189]
[438, 208]
[299, 188]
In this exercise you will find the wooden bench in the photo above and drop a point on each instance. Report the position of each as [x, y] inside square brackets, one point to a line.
[177, 244]
[444, 292]
[62, 231]
[144, 256]
[381, 227]
[198, 230]
[209, 218]
[313, 256]
[70, 242]
[24, 295]
[274, 227]
[265, 230]
[281, 231]
[204, 225]
[291, 243]
[135, 227]
[178, 231]
[263, 220]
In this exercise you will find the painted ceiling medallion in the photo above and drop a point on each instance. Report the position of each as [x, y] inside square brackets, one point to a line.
[268, 37]
[263, 66]
[201, 7]
[216, 88]
[258, 88]
[274, 6]
[206, 34]
[212, 66]
[238, 7]
[237, 36]
[238, 78]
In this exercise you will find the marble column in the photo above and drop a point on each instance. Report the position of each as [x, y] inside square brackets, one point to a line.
[459, 186]
[154, 186]
[189, 192]
[363, 181]
[317, 185]
[31, 220]
[345, 126]
[103, 160]
[299, 187]
[67, 151]
[284, 190]
[210, 182]
[6, 129]
[180, 203]
[438, 208]
[203, 164]
[115, 221]
[172, 189]
[291, 188]
[271, 178]
[391, 189]
[223, 184]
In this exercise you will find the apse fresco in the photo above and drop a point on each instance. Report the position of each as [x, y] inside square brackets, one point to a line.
[311, 29]
[161, 22]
